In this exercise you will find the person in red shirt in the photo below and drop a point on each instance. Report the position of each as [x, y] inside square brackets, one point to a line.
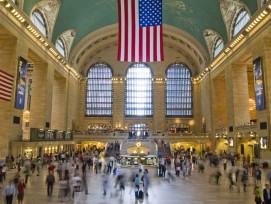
[51, 168]
[20, 190]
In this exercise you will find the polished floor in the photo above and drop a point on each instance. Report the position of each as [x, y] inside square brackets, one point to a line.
[195, 189]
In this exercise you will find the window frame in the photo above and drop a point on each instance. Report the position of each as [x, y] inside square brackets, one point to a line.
[41, 20]
[238, 21]
[217, 46]
[63, 47]
[126, 110]
[167, 115]
[99, 91]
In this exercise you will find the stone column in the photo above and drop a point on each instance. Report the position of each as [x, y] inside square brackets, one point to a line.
[8, 64]
[42, 94]
[118, 103]
[219, 101]
[238, 96]
[59, 114]
[159, 106]
[197, 110]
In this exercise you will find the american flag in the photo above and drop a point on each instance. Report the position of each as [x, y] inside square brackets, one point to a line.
[6, 85]
[140, 31]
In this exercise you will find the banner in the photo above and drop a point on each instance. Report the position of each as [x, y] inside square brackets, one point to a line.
[21, 81]
[258, 83]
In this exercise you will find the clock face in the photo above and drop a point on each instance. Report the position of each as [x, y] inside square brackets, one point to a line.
[138, 144]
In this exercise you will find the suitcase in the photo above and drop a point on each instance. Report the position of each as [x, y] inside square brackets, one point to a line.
[140, 194]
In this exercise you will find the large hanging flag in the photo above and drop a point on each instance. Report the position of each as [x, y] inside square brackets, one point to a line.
[6, 85]
[140, 31]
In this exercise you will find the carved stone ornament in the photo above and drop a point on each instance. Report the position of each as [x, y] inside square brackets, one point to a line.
[50, 9]
[228, 10]
[68, 37]
[210, 37]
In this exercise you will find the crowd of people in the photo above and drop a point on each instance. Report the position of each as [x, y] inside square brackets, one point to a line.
[69, 172]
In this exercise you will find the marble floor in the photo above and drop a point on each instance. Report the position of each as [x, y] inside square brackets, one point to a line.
[195, 189]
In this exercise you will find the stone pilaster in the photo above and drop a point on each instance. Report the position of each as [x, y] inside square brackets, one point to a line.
[42, 94]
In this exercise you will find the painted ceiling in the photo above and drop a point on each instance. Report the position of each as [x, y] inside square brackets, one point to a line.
[192, 16]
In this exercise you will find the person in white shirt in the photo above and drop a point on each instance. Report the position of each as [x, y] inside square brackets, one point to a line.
[76, 184]
[9, 192]
[141, 168]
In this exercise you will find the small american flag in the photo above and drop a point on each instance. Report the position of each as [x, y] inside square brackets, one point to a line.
[6, 85]
[140, 31]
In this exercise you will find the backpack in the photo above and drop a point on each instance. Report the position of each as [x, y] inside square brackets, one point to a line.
[140, 194]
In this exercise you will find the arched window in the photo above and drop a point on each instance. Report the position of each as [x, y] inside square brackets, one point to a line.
[179, 100]
[240, 21]
[39, 21]
[218, 47]
[15, 2]
[99, 91]
[138, 91]
[60, 46]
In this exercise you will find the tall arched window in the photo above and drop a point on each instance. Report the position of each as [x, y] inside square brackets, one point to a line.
[240, 21]
[99, 91]
[15, 2]
[60, 46]
[138, 91]
[39, 21]
[218, 46]
[179, 100]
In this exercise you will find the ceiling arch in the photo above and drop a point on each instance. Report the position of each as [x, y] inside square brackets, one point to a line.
[174, 38]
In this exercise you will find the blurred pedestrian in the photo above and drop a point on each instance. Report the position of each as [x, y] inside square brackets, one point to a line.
[50, 180]
[20, 191]
[104, 183]
[146, 182]
[9, 192]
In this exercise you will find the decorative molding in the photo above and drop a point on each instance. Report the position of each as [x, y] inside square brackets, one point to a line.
[97, 41]
[210, 37]
[49, 9]
[68, 37]
[228, 9]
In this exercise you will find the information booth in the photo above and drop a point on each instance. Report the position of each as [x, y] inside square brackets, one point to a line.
[129, 160]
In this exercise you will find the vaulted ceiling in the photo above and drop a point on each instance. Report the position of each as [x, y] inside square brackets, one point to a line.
[192, 16]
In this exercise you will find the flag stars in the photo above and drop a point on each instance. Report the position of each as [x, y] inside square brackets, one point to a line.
[150, 12]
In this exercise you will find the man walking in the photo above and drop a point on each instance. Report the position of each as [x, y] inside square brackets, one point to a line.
[50, 180]
[9, 192]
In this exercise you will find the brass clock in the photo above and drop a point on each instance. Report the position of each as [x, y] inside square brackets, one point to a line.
[138, 144]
